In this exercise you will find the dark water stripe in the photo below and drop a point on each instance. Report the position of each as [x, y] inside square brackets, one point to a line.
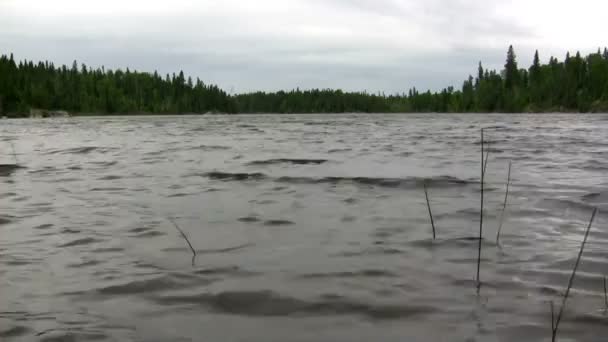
[367, 273]
[409, 182]
[80, 242]
[81, 150]
[143, 286]
[8, 169]
[288, 161]
[14, 331]
[269, 303]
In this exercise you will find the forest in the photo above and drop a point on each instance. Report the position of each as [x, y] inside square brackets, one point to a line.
[576, 84]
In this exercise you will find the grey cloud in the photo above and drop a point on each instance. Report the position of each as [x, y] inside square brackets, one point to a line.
[387, 45]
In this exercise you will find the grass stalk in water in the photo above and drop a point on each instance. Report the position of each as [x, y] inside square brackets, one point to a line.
[552, 317]
[14, 153]
[571, 281]
[504, 206]
[485, 163]
[428, 205]
[480, 214]
[185, 238]
[605, 294]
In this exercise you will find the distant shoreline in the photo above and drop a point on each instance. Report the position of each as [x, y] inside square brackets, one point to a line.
[575, 85]
[84, 115]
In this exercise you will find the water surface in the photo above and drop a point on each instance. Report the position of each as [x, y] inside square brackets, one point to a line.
[307, 228]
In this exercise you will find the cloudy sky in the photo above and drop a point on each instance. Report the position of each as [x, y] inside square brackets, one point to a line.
[244, 45]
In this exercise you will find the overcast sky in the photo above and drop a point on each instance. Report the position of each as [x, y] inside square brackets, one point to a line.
[244, 45]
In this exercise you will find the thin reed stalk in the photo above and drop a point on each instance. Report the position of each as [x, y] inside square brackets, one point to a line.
[504, 206]
[428, 205]
[605, 294]
[185, 238]
[571, 281]
[480, 214]
[485, 163]
[14, 153]
[552, 317]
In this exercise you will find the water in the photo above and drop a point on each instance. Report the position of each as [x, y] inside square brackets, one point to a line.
[307, 228]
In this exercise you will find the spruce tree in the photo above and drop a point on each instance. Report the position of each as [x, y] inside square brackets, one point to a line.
[511, 71]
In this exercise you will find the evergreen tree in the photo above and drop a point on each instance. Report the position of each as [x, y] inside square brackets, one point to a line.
[511, 70]
[535, 82]
[576, 84]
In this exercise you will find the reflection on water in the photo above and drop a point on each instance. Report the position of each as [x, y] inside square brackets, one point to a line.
[306, 227]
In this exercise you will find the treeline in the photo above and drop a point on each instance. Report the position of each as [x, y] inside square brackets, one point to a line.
[577, 84]
[26, 85]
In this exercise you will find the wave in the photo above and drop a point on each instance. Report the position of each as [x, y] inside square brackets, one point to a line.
[224, 250]
[8, 169]
[108, 189]
[554, 203]
[319, 123]
[278, 223]
[596, 197]
[44, 226]
[81, 150]
[368, 273]
[233, 271]
[210, 148]
[234, 176]
[595, 165]
[5, 219]
[269, 303]
[143, 286]
[80, 242]
[288, 161]
[14, 331]
[249, 219]
[110, 177]
[408, 182]
[338, 150]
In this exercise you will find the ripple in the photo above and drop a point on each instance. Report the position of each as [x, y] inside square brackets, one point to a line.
[249, 219]
[13, 331]
[150, 234]
[8, 169]
[235, 176]
[288, 161]
[410, 182]
[269, 303]
[80, 242]
[81, 150]
[108, 189]
[102, 163]
[278, 223]
[110, 177]
[226, 271]
[139, 230]
[144, 286]
[85, 264]
[44, 226]
[368, 273]
[70, 231]
[339, 150]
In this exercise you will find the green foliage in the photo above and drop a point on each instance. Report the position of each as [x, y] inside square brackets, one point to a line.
[84, 90]
[576, 84]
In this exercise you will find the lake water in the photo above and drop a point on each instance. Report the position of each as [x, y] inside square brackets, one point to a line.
[306, 227]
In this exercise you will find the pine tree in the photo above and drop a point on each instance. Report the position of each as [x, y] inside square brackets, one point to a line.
[511, 70]
[479, 75]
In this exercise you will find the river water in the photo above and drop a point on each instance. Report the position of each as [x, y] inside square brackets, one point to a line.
[306, 228]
